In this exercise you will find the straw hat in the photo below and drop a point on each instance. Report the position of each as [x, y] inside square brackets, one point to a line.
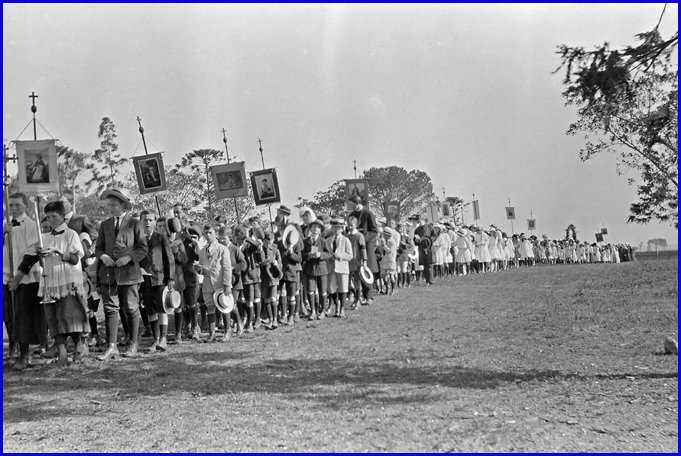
[118, 194]
[223, 302]
[366, 275]
[171, 300]
[291, 236]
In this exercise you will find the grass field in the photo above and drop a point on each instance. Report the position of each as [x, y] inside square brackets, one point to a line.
[563, 358]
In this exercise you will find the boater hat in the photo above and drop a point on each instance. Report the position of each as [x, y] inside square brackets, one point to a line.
[273, 271]
[366, 275]
[171, 300]
[291, 236]
[118, 194]
[223, 302]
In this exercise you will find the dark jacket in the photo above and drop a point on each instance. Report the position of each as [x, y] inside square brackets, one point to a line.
[191, 248]
[314, 267]
[291, 260]
[253, 254]
[159, 261]
[238, 266]
[180, 255]
[129, 241]
[270, 255]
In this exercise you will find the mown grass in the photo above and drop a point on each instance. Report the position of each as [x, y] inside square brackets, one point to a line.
[563, 358]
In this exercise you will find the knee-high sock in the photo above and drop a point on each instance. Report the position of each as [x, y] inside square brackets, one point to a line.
[145, 317]
[124, 321]
[153, 323]
[179, 322]
[341, 302]
[93, 326]
[112, 320]
[258, 310]
[134, 324]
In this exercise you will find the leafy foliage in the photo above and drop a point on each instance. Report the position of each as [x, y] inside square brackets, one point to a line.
[656, 244]
[107, 167]
[331, 200]
[627, 103]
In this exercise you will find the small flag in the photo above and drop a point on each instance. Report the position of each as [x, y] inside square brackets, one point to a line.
[476, 210]
[510, 213]
[531, 224]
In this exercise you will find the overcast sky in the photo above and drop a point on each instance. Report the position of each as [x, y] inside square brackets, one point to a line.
[462, 92]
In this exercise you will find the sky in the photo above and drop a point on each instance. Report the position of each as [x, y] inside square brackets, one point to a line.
[464, 92]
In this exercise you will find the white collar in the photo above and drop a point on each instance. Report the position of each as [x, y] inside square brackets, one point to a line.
[61, 227]
[68, 216]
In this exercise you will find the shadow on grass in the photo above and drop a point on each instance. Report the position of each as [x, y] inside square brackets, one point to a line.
[352, 384]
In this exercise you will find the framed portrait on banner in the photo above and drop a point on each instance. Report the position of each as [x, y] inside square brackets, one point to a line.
[392, 210]
[510, 213]
[531, 224]
[357, 187]
[265, 187]
[433, 213]
[150, 173]
[604, 230]
[599, 237]
[446, 210]
[37, 162]
[229, 180]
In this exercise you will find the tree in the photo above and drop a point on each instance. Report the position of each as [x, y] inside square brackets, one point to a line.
[197, 164]
[107, 168]
[71, 165]
[657, 244]
[412, 189]
[627, 103]
[458, 208]
[331, 200]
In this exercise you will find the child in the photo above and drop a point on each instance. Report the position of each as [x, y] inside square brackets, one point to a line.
[389, 260]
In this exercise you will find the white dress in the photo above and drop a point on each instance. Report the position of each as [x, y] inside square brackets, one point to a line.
[464, 247]
[62, 279]
[493, 248]
[481, 247]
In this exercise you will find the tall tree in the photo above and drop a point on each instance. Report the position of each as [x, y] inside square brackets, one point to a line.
[331, 200]
[412, 189]
[71, 165]
[627, 103]
[458, 206]
[107, 169]
[197, 164]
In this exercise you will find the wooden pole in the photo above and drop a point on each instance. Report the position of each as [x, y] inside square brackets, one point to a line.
[262, 158]
[144, 142]
[6, 182]
[236, 207]
[512, 230]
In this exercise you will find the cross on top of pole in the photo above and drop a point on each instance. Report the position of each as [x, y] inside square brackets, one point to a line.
[224, 136]
[33, 96]
[260, 144]
[139, 121]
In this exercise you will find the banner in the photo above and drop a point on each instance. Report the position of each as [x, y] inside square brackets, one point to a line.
[446, 210]
[599, 237]
[357, 187]
[604, 230]
[229, 180]
[265, 187]
[510, 213]
[151, 176]
[37, 161]
[433, 213]
[476, 210]
[531, 224]
[392, 210]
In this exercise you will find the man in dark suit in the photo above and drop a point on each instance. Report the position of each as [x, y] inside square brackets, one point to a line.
[366, 224]
[120, 247]
[159, 265]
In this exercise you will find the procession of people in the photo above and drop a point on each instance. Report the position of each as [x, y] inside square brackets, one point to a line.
[220, 282]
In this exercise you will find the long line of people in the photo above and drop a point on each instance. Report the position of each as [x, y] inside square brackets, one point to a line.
[219, 281]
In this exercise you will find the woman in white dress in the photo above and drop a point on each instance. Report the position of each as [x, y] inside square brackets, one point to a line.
[493, 250]
[526, 251]
[463, 254]
[62, 289]
[482, 250]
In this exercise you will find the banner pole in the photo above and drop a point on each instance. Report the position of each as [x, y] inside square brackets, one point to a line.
[144, 141]
[236, 207]
[262, 158]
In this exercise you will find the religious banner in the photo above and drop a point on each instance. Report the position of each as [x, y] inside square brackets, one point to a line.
[446, 210]
[510, 213]
[433, 213]
[357, 187]
[599, 237]
[604, 230]
[229, 180]
[37, 161]
[476, 210]
[265, 187]
[151, 176]
[392, 210]
[531, 224]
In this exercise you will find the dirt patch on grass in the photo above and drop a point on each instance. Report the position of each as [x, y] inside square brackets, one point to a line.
[564, 358]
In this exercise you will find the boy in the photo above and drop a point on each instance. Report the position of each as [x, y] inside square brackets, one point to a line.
[216, 266]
